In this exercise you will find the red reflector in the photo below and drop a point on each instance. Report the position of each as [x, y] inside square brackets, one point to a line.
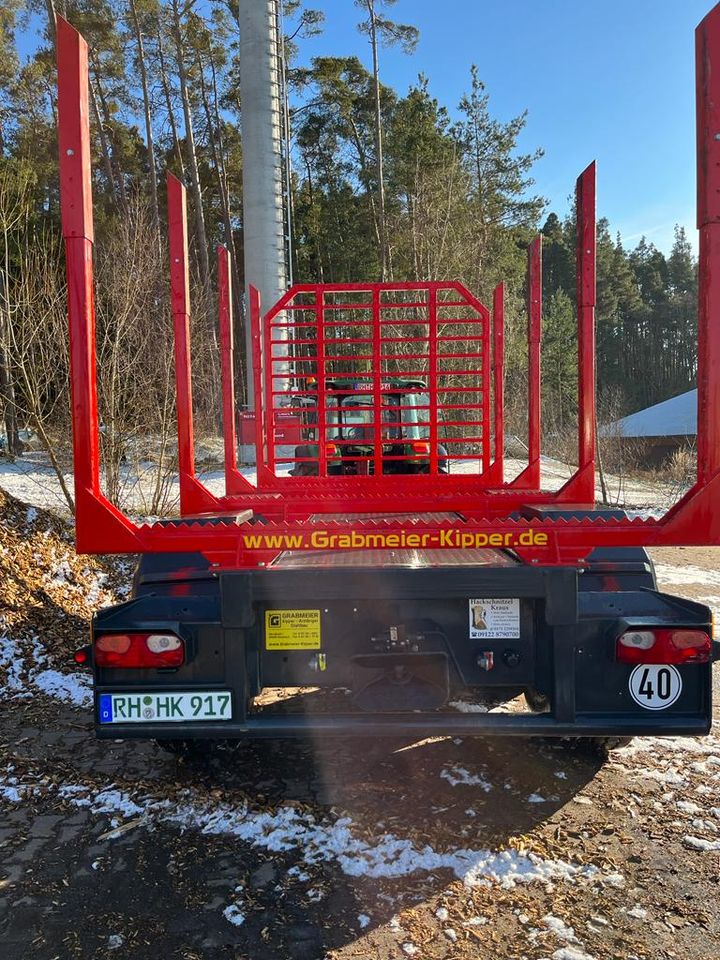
[670, 646]
[136, 650]
[80, 656]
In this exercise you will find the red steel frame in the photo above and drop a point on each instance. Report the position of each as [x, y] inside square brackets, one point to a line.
[482, 511]
[379, 323]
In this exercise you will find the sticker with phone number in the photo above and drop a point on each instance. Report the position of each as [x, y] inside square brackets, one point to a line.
[174, 707]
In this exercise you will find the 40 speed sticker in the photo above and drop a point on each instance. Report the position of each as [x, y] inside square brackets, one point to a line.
[655, 686]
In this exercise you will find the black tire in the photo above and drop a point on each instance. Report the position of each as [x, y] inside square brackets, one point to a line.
[187, 749]
[537, 702]
[604, 746]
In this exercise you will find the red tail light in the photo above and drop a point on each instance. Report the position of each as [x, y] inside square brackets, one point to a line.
[663, 646]
[135, 650]
[331, 450]
[422, 448]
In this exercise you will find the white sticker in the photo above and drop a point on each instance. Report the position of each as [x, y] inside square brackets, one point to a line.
[497, 619]
[655, 686]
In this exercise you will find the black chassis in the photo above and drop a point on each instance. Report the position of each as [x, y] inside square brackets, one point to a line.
[570, 620]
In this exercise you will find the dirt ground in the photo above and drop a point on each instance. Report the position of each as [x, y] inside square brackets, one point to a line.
[442, 849]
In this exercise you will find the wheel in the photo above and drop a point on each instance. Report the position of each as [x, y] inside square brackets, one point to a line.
[188, 749]
[604, 746]
[537, 702]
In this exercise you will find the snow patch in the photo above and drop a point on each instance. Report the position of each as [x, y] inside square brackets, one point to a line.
[234, 915]
[322, 841]
[462, 706]
[699, 843]
[687, 574]
[70, 688]
[459, 776]
[561, 930]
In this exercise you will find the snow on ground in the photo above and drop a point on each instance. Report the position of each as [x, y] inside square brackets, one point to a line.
[32, 480]
[687, 574]
[317, 839]
[25, 672]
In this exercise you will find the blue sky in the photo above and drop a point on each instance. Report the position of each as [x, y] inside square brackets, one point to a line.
[611, 80]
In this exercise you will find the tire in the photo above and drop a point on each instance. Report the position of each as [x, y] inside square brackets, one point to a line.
[186, 749]
[604, 746]
[536, 701]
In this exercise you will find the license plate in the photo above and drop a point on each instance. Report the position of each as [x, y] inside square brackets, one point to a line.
[164, 707]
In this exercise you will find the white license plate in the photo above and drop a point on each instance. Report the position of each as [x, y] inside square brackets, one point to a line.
[164, 707]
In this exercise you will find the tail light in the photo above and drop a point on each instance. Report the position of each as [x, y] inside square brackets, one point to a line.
[331, 450]
[421, 448]
[136, 650]
[664, 646]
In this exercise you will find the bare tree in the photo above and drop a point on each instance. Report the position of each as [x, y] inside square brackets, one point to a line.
[195, 188]
[147, 109]
[380, 30]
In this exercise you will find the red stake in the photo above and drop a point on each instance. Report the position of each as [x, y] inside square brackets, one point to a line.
[499, 380]
[708, 220]
[586, 284]
[228, 374]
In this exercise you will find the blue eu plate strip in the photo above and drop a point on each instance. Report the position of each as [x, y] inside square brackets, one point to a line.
[106, 710]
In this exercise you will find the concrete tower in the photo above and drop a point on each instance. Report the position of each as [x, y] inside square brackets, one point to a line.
[263, 223]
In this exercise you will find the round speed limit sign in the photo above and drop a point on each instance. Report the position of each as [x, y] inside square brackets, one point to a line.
[655, 686]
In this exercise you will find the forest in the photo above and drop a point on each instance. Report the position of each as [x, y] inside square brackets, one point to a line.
[384, 185]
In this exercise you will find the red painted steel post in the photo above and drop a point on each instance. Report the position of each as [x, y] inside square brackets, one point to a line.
[225, 320]
[180, 300]
[77, 228]
[433, 378]
[99, 525]
[257, 362]
[499, 379]
[377, 379]
[586, 283]
[486, 388]
[707, 40]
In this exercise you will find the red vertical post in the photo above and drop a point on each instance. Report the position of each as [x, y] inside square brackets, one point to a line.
[180, 302]
[97, 522]
[586, 283]
[433, 378]
[486, 389]
[257, 362]
[376, 382]
[707, 39]
[321, 369]
[499, 380]
[77, 228]
[225, 320]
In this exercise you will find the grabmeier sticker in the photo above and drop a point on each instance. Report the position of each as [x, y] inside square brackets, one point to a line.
[498, 618]
[292, 630]
[655, 686]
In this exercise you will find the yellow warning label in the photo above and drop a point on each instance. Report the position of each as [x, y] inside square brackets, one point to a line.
[292, 629]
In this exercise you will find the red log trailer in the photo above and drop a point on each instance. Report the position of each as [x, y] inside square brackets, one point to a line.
[387, 555]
